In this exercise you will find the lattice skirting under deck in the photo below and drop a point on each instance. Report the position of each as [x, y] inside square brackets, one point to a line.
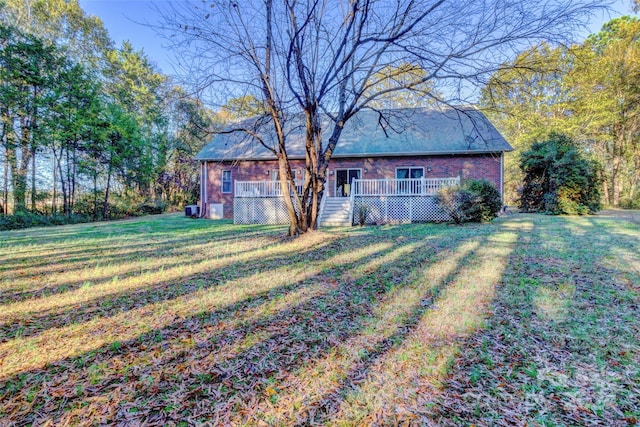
[382, 209]
[260, 210]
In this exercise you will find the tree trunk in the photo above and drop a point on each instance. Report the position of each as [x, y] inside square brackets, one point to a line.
[19, 175]
[105, 205]
[32, 149]
[313, 143]
[34, 196]
[615, 173]
[72, 178]
[53, 190]
[295, 225]
[20, 169]
[68, 182]
[63, 187]
[5, 193]
[95, 195]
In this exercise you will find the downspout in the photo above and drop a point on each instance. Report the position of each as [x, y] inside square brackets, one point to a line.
[502, 178]
[203, 188]
[352, 201]
[205, 208]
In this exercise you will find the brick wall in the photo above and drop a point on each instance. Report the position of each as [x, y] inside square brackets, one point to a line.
[466, 166]
[240, 171]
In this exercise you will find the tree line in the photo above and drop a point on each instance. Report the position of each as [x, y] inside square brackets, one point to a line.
[589, 92]
[90, 128]
[86, 127]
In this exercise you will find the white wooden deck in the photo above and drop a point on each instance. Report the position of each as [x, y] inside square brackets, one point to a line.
[386, 200]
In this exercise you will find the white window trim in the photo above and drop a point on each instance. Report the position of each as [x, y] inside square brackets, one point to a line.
[335, 176]
[222, 181]
[294, 171]
[408, 167]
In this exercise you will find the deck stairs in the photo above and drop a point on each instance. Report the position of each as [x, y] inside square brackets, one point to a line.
[336, 212]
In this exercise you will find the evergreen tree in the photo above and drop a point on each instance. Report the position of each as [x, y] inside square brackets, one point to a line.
[558, 178]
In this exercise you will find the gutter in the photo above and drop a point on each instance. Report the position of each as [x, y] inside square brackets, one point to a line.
[364, 155]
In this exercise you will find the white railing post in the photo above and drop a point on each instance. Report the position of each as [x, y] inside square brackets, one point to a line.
[352, 198]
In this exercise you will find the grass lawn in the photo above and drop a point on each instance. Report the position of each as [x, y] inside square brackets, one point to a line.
[171, 321]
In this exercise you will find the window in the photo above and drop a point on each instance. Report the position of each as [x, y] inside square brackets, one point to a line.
[408, 187]
[403, 173]
[226, 181]
[275, 174]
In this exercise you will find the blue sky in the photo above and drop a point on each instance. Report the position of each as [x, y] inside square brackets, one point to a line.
[124, 18]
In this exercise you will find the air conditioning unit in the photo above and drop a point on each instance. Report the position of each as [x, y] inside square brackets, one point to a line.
[192, 211]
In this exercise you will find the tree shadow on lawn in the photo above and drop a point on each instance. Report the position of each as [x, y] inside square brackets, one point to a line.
[197, 366]
[104, 247]
[30, 323]
[561, 348]
[621, 250]
[326, 407]
[101, 254]
[100, 260]
[30, 248]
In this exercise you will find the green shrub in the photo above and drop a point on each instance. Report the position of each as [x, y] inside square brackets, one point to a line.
[488, 202]
[151, 207]
[362, 212]
[22, 220]
[458, 203]
[123, 205]
[631, 203]
[476, 201]
[84, 205]
[559, 179]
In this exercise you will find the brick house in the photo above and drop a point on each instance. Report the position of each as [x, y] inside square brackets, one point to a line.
[394, 162]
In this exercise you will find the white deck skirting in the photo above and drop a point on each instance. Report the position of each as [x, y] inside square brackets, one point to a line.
[400, 200]
[385, 200]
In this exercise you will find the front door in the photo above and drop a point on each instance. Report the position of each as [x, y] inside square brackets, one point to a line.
[344, 179]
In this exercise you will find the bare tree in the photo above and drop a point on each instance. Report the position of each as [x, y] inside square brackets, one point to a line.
[327, 58]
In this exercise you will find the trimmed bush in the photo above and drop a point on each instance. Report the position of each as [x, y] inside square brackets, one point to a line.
[477, 201]
[488, 201]
[457, 202]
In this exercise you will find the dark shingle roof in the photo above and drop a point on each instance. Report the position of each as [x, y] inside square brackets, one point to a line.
[400, 132]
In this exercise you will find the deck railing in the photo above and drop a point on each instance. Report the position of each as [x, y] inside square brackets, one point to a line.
[402, 187]
[261, 188]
